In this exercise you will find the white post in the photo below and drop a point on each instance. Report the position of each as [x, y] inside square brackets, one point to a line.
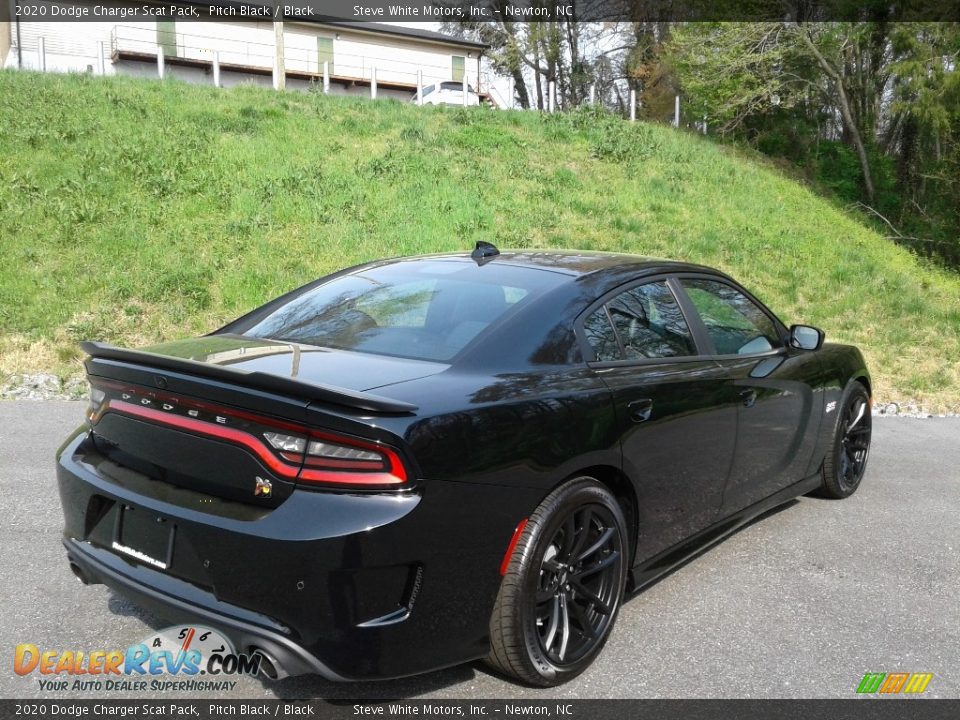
[373, 82]
[633, 105]
[326, 77]
[704, 124]
[279, 66]
[216, 68]
[593, 94]
[101, 64]
[160, 67]
[419, 87]
[463, 91]
[510, 97]
[676, 111]
[551, 96]
[42, 53]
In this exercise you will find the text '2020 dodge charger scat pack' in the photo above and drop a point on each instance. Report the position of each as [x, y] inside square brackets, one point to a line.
[418, 462]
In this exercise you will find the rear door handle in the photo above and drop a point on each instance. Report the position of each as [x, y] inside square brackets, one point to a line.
[640, 410]
[749, 397]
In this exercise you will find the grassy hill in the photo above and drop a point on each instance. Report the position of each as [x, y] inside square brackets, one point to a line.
[134, 211]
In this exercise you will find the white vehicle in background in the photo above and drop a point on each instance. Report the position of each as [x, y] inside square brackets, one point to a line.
[448, 93]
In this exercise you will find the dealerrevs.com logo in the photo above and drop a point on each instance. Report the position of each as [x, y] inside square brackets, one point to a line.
[187, 653]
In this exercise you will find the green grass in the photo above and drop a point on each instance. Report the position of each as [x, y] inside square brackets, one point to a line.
[135, 211]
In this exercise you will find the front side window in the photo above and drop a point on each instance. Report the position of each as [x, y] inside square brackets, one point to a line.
[646, 323]
[734, 322]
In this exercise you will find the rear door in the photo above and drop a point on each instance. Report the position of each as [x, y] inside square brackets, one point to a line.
[776, 429]
[676, 419]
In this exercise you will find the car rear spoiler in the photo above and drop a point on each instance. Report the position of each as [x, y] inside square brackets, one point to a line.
[252, 379]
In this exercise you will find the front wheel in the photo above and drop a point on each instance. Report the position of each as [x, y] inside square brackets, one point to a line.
[846, 461]
[562, 590]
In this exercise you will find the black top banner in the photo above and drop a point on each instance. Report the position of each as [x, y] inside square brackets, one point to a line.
[495, 11]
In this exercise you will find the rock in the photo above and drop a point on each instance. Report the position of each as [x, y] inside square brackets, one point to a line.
[42, 386]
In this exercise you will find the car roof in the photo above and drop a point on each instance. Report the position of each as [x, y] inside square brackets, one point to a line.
[577, 263]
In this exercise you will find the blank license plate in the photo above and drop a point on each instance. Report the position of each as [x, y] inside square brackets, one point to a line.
[144, 536]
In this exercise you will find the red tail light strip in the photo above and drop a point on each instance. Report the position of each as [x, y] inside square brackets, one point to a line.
[397, 475]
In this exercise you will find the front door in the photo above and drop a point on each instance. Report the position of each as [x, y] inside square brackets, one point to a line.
[772, 384]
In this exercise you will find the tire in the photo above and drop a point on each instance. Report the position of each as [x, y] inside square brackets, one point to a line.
[846, 460]
[563, 587]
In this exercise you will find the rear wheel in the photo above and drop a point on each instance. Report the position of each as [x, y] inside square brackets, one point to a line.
[562, 590]
[846, 462]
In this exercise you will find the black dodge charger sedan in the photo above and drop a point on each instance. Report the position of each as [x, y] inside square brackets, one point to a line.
[418, 462]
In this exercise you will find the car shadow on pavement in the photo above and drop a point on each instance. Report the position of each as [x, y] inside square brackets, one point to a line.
[698, 552]
[317, 688]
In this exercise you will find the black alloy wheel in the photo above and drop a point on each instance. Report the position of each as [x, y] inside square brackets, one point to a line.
[846, 462]
[563, 587]
[579, 584]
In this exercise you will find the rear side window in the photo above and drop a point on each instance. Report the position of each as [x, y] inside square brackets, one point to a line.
[734, 322]
[641, 323]
[420, 310]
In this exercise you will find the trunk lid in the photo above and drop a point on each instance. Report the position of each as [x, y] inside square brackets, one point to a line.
[316, 365]
[223, 415]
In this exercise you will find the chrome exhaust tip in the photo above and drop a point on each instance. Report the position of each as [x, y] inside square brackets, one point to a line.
[270, 667]
[78, 573]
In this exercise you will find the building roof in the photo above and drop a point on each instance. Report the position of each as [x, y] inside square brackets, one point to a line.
[374, 28]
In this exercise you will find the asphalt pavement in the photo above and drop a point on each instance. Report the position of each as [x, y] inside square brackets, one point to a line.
[800, 603]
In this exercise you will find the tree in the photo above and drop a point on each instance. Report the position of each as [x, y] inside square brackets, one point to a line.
[573, 54]
[506, 48]
[887, 92]
[735, 71]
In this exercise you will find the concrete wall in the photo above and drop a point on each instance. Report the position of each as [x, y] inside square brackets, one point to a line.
[70, 47]
[356, 54]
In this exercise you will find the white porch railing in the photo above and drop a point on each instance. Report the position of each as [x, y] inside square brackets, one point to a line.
[260, 56]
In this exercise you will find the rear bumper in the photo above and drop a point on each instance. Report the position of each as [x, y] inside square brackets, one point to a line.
[179, 602]
[346, 586]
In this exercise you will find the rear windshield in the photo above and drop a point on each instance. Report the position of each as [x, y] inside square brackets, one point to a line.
[424, 309]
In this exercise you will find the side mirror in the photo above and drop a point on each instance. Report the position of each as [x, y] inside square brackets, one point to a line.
[805, 337]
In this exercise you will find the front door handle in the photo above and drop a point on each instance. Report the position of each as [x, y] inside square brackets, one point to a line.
[640, 410]
[749, 397]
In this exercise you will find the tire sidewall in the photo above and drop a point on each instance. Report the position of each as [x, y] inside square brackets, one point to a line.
[854, 389]
[583, 491]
